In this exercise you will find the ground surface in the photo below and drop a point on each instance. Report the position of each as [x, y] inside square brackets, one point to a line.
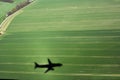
[84, 35]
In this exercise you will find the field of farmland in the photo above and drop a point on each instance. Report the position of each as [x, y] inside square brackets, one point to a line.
[83, 35]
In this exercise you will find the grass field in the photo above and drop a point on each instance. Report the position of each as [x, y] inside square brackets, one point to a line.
[84, 35]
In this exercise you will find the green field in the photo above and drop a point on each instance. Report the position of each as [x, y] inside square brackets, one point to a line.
[84, 35]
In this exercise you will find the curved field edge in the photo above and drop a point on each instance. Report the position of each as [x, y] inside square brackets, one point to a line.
[6, 7]
[7, 21]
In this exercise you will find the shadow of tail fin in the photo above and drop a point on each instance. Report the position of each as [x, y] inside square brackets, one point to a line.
[36, 65]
